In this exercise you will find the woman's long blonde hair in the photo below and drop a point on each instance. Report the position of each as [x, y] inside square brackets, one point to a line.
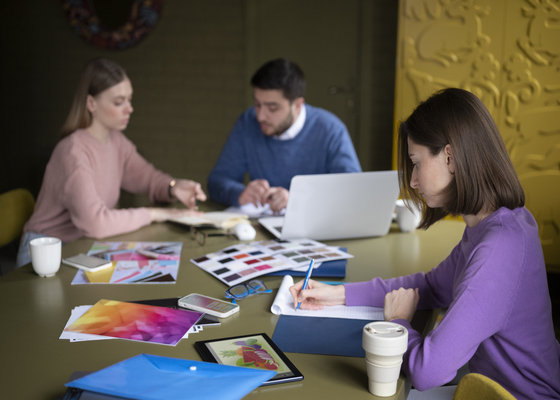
[98, 75]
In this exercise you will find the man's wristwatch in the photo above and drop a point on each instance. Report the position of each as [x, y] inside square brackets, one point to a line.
[171, 184]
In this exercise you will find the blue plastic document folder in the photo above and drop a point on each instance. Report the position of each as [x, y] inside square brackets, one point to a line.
[149, 377]
[318, 335]
[329, 269]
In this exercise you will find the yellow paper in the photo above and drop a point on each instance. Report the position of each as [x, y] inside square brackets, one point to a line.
[103, 276]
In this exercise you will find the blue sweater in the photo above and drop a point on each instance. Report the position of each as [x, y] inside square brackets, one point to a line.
[322, 146]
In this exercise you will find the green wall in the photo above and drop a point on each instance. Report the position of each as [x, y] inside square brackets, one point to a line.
[189, 77]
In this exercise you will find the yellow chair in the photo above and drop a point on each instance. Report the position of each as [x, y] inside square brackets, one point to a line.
[480, 387]
[16, 206]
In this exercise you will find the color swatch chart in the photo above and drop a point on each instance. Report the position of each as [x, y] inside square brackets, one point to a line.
[134, 262]
[238, 263]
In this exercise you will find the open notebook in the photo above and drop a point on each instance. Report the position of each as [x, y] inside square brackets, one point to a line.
[218, 219]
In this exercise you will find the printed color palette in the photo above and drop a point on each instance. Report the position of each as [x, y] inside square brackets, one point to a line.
[134, 262]
[135, 322]
[236, 264]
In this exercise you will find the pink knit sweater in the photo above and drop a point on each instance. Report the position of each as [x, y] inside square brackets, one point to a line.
[81, 188]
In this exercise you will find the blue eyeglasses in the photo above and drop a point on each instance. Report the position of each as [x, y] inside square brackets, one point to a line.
[243, 290]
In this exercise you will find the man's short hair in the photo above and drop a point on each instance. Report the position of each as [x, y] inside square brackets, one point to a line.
[281, 74]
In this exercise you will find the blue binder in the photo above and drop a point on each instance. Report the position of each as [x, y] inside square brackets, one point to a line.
[318, 335]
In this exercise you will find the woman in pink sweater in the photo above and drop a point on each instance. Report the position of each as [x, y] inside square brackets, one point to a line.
[91, 164]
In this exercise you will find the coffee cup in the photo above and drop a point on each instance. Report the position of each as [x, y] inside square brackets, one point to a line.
[45, 255]
[384, 343]
[408, 219]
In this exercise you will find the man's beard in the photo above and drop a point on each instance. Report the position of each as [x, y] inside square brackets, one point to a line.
[284, 125]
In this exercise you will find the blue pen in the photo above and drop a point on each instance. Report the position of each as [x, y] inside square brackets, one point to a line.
[306, 281]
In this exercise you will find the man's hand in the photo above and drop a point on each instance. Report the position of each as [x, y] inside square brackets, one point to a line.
[188, 192]
[401, 304]
[254, 192]
[277, 198]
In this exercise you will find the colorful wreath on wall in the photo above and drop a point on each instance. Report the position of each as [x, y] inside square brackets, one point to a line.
[85, 22]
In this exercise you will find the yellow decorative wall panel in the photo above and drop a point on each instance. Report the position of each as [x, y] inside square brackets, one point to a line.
[507, 52]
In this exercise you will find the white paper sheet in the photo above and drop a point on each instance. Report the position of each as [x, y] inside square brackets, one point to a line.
[284, 304]
[255, 211]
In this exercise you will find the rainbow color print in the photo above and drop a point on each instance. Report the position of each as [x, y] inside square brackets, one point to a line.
[137, 322]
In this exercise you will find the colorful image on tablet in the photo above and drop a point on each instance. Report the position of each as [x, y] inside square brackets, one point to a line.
[251, 352]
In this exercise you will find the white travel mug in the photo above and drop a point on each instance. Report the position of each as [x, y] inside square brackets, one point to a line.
[384, 343]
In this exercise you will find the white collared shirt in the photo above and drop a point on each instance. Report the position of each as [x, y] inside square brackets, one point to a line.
[296, 127]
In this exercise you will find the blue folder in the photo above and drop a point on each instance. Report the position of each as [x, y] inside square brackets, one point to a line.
[318, 335]
[329, 269]
[149, 377]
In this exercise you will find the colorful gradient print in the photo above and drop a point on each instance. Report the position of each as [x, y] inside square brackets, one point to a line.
[135, 322]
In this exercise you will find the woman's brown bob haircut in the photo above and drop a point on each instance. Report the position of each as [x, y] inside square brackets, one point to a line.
[484, 175]
[99, 75]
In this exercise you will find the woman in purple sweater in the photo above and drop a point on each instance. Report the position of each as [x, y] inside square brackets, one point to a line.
[452, 161]
[94, 161]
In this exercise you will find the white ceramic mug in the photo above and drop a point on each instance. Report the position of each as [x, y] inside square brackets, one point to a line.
[406, 219]
[45, 255]
[384, 343]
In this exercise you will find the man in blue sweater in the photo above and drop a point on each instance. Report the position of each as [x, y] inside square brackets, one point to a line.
[278, 138]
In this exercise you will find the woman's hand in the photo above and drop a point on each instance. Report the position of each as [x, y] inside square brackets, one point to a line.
[163, 214]
[188, 192]
[400, 304]
[317, 295]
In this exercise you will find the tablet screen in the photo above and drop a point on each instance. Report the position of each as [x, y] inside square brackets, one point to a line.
[251, 351]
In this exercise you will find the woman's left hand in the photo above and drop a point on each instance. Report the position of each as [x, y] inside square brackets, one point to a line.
[401, 304]
[188, 192]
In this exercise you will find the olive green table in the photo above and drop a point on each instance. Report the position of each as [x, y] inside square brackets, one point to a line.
[35, 364]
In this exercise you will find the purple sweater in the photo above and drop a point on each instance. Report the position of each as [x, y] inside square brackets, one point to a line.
[499, 317]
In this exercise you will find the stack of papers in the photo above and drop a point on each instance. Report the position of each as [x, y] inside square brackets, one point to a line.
[134, 262]
[109, 319]
[241, 262]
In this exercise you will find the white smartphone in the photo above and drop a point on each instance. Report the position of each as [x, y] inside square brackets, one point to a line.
[208, 305]
[87, 263]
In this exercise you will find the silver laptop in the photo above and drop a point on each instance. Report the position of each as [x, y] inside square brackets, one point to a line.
[337, 206]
